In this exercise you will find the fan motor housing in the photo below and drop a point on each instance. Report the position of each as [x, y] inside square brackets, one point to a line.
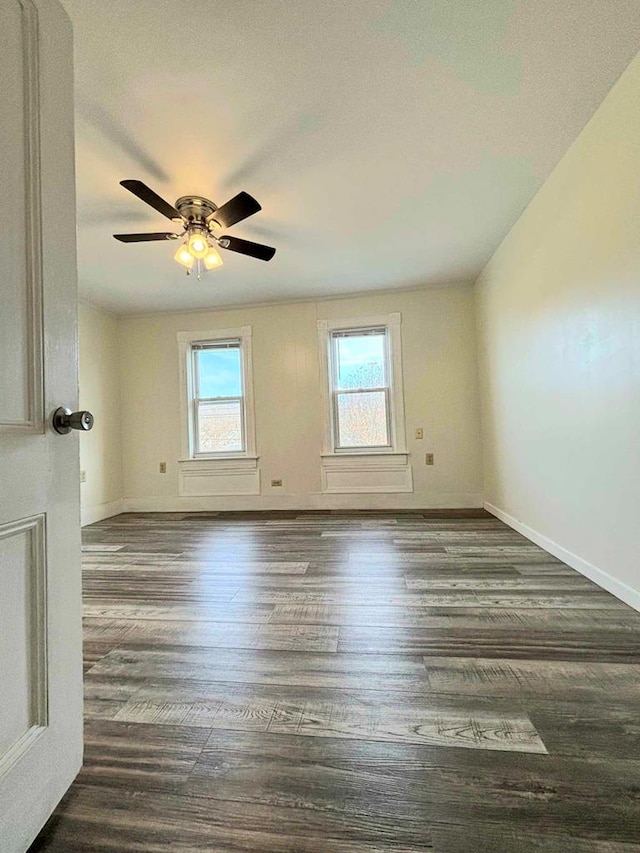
[195, 208]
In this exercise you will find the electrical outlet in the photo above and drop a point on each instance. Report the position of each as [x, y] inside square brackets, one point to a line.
[275, 483]
[83, 476]
[163, 467]
[419, 432]
[428, 459]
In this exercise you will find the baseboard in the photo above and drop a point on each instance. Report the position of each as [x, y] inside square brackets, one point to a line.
[91, 514]
[616, 587]
[303, 502]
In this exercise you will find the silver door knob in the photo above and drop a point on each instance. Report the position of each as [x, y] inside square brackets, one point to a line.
[64, 420]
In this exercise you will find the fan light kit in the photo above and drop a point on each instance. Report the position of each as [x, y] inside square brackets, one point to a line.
[199, 218]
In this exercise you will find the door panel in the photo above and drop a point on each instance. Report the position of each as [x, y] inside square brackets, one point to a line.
[40, 611]
[22, 616]
[20, 318]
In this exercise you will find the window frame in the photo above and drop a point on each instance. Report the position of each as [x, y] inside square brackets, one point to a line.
[189, 401]
[327, 329]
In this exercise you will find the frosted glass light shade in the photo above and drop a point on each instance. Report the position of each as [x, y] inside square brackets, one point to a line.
[212, 259]
[198, 244]
[183, 256]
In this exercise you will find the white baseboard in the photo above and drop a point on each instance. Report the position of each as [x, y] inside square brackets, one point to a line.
[91, 514]
[616, 587]
[303, 502]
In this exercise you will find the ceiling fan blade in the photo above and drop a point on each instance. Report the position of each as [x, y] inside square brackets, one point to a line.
[147, 195]
[235, 210]
[147, 237]
[246, 247]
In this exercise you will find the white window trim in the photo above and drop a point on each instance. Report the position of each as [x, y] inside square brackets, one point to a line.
[397, 420]
[185, 340]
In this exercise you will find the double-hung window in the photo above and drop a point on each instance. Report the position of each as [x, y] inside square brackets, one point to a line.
[365, 406]
[217, 392]
[218, 398]
[360, 389]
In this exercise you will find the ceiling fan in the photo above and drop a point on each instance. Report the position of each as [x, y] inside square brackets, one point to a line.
[199, 219]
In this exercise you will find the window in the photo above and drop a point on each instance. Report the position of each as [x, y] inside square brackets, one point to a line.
[218, 398]
[217, 394]
[360, 389]
[365, 407]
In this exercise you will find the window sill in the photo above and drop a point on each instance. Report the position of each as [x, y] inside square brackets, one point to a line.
[359, 454]
[234, 459]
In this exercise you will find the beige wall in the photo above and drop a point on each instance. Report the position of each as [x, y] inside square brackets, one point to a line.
[99, 391]
[559, 331]
[440, 395]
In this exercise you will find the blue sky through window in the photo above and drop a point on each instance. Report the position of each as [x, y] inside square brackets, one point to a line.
[219, 372]
[360, 361]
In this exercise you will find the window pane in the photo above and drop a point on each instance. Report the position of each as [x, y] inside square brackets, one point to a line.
[360, 360]
[219, 372]
[220, 427]
[362, 419]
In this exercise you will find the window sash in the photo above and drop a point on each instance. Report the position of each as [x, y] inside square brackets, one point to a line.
[196, 420]
[204, 345]
[196, 400]
[335, 390]
[336, 420]
[359, 333]
[335, 336]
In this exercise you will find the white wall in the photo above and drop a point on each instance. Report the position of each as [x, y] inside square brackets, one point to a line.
[559, 338]
[99, 392]
[440, 379]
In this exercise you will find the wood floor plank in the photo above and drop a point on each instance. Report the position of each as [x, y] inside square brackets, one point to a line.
[503, 838]
[304, 669]
[416, 555]
[564, 680]
[93, 652]
[607, 729]
[463, 598]
[460, 618]
[93, 819]
[141, 756]
[101, 548]
[607, 645]
[218, 568]
[221, 636]
[402, 718]
[115, 609]
[546, 583]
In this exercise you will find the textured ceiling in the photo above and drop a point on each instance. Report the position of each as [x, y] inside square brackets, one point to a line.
[391, 144]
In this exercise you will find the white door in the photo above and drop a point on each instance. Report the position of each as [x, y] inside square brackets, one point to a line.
[40, 609]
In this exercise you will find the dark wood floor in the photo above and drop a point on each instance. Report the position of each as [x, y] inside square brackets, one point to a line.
[334, 683]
